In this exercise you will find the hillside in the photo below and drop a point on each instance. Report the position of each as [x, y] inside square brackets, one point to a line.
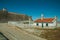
[11, 16]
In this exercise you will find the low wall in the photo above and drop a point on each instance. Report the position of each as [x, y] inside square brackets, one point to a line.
[21, 25]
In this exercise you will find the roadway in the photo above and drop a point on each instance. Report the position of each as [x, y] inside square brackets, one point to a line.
[14, 33]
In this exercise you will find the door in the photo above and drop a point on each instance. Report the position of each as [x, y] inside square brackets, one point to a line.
[42, 25]
[37, 24]
[46, 24]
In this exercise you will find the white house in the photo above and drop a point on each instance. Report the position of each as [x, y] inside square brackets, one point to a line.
[46, 22]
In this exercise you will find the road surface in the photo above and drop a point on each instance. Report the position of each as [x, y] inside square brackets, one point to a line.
[14, 33]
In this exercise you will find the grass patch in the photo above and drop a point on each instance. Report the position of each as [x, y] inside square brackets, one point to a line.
[51, 34]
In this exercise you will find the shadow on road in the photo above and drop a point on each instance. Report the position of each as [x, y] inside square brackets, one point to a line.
[2, 37]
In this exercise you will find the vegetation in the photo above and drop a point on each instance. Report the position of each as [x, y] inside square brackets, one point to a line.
[51, 34]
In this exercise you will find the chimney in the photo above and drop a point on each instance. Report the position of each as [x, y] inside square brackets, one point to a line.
[56, 20]
[42, 16]
[55, 17]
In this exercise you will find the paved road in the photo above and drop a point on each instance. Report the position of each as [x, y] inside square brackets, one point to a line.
[14, 33]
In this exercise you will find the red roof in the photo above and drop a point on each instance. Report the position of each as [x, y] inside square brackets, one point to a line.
[45, 20]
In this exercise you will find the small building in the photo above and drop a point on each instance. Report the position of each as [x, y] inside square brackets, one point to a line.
[46, 22]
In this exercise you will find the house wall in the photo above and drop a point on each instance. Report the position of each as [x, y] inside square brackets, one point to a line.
[44, 24]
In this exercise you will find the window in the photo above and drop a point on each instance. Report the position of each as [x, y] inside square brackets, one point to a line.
[46, 24]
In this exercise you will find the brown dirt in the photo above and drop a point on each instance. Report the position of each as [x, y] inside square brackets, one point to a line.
[51, 34]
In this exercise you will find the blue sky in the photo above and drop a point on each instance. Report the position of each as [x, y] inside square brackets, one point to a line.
[34, 8]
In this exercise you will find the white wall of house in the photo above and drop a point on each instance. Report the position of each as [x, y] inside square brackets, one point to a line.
[44, 24]
[40, 24]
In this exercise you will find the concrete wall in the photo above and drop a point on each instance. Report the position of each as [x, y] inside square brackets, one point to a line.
[20, 24]
[13, 23]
